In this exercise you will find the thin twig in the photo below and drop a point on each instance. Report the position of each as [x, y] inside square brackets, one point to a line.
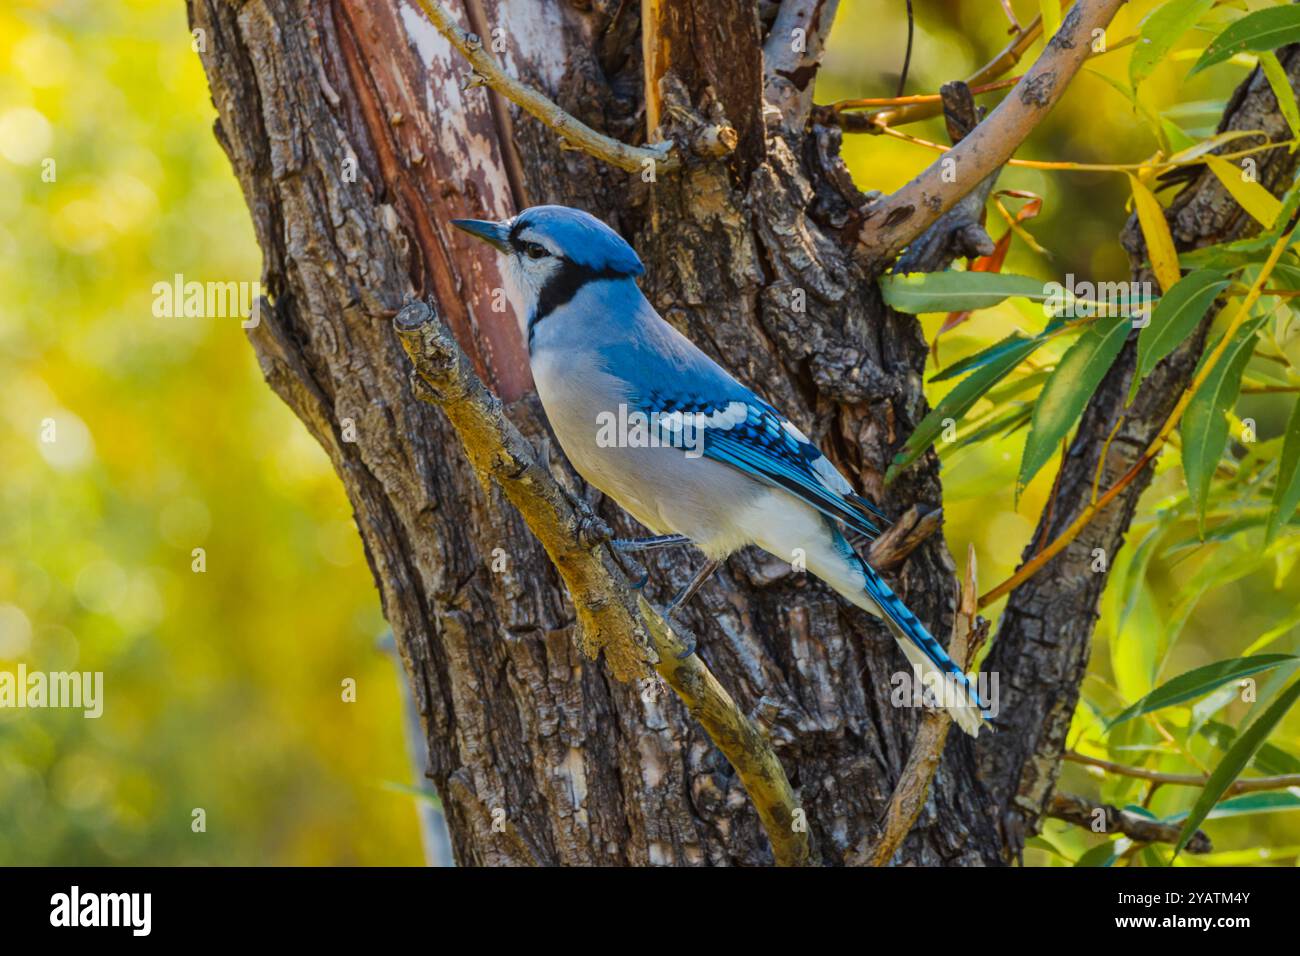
[1011, 15]
[902, 537]
[653, 60]
[573, 131]
[842, 113]
[825, 114]
[893, 222]
[907, 57]
[995, 68]
[1101, 460]
[610, 618]
[1243, 785]
[1084, 813]
[1065, 165]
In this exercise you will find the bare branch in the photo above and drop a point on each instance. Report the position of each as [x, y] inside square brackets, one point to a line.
[1243, 785]
[1084, 813]
[610, 617]
[909, 529]
[959, 231]
[573, 131]
[895, 221]
[791, 56]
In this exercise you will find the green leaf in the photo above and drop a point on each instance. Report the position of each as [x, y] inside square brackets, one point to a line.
[1270, 801]
[1067, 391]
[917, 292]
[1256, 32]
[996, 351]
[1282, 90]
[1198, 682]
[1160, 31]
[957, 402]
[1286, 495]
[1235, 761]
[1101, 855]
[1204, 428]
[1279, 629]
[1174, 318]
[1041, 843]
[1050, 10]
[1269, 760]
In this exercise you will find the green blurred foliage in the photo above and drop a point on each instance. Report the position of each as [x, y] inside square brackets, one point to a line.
[222, 689]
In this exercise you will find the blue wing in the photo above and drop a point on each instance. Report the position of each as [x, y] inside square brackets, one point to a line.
[745, 432]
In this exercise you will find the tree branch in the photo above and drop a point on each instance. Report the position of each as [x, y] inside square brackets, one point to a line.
[896, 220]
[792, 55]
[1244, 785]
[573, 131]
[610, 618]
[1083, 812]
[902, 537]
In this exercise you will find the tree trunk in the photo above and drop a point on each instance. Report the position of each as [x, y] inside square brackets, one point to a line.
[347, 126]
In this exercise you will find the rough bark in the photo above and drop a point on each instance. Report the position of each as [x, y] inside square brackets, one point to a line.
[354, 143]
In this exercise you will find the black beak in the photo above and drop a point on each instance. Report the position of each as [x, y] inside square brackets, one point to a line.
[493, 233]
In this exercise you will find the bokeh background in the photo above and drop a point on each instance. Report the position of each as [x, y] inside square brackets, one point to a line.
[224, 689]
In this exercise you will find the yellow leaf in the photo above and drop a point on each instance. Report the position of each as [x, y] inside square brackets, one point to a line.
[1160, 244]
[1252, 197]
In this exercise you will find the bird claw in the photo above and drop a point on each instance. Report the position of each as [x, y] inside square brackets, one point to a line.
[687, 637]
[593, 531]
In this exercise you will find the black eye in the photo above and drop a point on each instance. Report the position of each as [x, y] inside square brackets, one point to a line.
[535, 250]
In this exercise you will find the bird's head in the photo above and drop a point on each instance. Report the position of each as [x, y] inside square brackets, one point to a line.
[553, 251]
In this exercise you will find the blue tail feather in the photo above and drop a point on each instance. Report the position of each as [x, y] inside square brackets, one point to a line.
[910, 625]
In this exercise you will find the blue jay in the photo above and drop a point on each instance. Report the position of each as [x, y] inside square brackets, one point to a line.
[716, 465]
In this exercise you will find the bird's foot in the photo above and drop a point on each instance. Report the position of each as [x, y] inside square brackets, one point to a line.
[593, 531]
[689, 642]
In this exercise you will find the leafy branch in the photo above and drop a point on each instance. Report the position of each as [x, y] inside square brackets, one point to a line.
[1243, 785]
[1095, 506]
[1085, 813]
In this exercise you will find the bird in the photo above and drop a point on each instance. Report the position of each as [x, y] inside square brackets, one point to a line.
[694, 455]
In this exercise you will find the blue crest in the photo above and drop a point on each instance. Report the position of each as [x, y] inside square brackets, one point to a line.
[580, 237]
